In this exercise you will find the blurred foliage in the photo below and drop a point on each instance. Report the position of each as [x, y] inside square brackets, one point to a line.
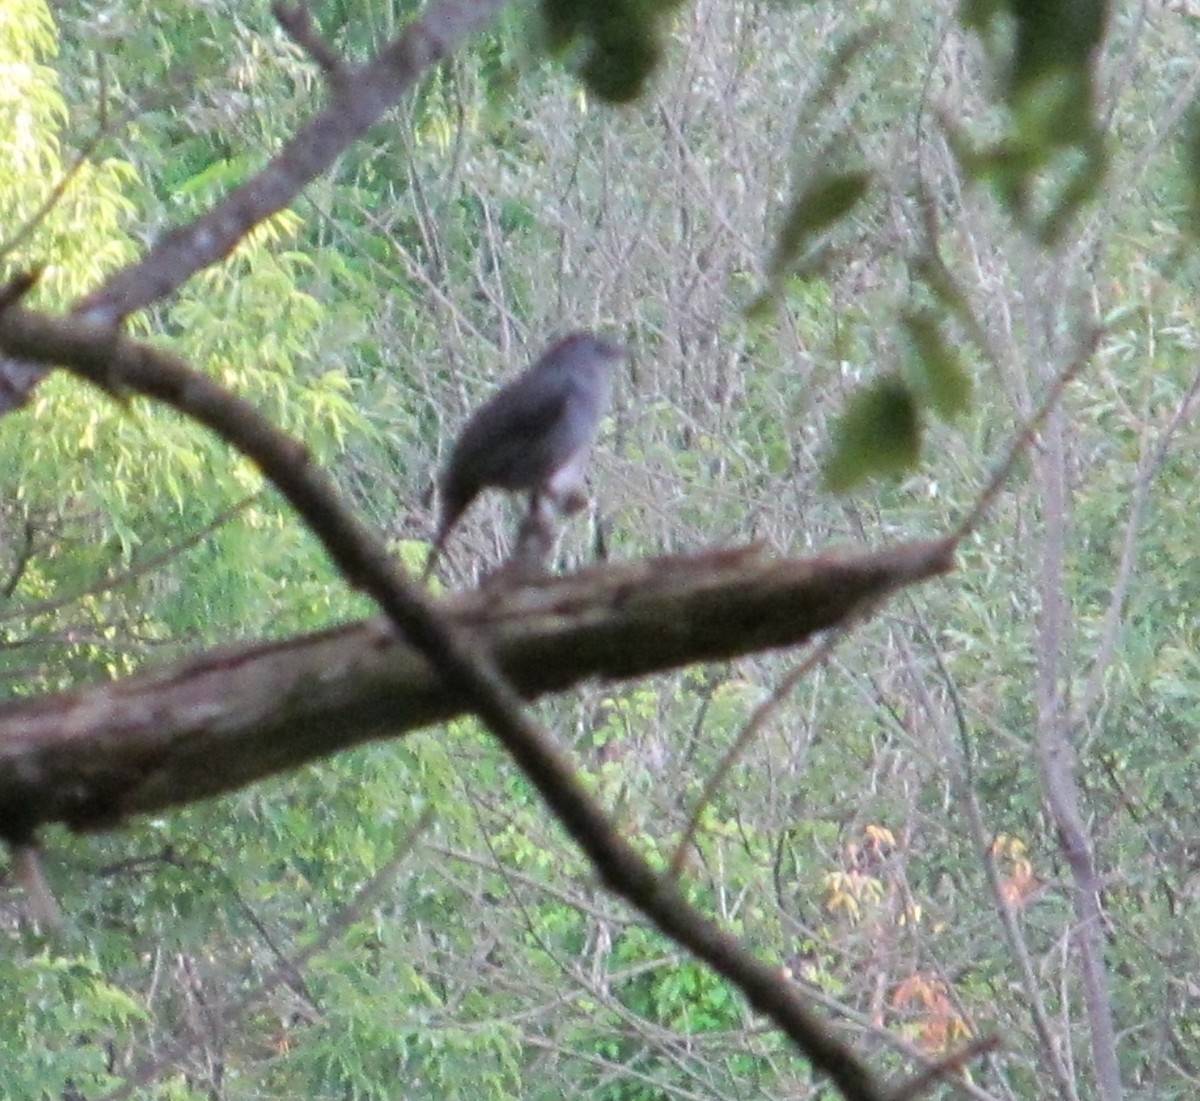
[621, 41]
[879, 433]
[1046, 51]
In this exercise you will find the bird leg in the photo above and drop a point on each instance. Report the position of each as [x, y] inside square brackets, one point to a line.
[534, 547]
[566, 488]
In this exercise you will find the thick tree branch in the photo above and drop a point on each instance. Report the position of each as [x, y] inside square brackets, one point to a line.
[217, 721]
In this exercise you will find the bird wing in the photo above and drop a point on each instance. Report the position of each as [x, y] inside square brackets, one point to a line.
[513, 441]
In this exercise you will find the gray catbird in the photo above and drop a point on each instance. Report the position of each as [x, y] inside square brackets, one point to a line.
[534, 433]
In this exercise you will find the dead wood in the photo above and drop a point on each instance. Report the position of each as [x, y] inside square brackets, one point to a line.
[219, 720]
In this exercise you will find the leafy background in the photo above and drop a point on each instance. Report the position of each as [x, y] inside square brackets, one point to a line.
[818, 220]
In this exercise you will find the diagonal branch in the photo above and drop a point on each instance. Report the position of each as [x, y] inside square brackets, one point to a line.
[96, 352]
[359, 99]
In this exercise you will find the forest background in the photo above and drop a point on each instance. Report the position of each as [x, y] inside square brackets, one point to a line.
[918, 831]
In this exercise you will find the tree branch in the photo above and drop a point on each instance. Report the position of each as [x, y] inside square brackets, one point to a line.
[216, 721]
[96, 352]
[360, 99]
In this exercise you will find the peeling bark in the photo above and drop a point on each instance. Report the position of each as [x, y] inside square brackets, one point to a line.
[219, 720]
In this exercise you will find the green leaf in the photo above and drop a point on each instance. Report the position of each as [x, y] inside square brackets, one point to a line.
[975, 15]
[879, 433]
[621, 60]
[934, 368]
[1056, 37]
[1053, 150]
[622, 41]
[824, 201]
[214, 178]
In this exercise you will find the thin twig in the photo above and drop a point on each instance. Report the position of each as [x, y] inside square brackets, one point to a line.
[282, 975]
[126, 577]
[1026, 436]
[20, 563]
[298, 24]
[762, 713]
[946, 1066]
[361, 98]
[53, 196]
[27, 865]
[1049, 1048]
[364, 96]
[1147, 471]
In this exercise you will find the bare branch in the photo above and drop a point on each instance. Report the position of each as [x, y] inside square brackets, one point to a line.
[215, 721]
[366, 94]
[27, 863]
[115, 580]
[55, 194]
[1148, 469]
[1049, 1050]
[761, 716]
[299, 25]
[285, 972]
[360, 100]
[20, 561]
[946, 1067]
[1027, 435]
[1058, 761]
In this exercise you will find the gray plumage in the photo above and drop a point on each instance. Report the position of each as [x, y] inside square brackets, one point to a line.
[534, 432]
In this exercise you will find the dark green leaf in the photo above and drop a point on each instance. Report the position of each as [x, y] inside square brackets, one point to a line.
[975, 15]
[621, 40]
[1056, 37]
[879, 433]
[936, 372]
[824, 201]
[620, 62]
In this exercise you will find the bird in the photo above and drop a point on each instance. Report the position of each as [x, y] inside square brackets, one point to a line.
[533, 434]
